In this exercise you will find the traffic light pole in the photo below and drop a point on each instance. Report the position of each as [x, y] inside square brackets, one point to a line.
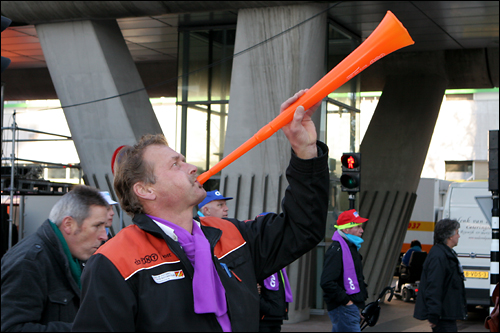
[352, 200]
[493, 187]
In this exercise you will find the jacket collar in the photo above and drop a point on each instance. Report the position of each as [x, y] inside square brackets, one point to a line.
[148, 225]
[47, 233]
[449, 252]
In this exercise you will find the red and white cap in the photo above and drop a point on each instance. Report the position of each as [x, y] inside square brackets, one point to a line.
[348, 219]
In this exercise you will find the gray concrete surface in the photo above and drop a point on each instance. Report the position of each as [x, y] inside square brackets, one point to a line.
[395, 316]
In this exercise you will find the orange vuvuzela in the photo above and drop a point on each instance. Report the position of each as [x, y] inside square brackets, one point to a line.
[389, 36]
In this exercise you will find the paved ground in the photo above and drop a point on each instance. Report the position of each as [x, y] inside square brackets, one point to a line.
[395, 316]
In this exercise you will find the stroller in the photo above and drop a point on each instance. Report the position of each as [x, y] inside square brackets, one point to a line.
[371, 312]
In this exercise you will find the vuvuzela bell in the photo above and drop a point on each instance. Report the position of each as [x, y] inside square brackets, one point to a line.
[389, 36]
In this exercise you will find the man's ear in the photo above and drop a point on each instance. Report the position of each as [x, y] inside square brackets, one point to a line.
[143, 191]
[68, 224]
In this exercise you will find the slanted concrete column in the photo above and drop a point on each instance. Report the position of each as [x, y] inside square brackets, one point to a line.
[262, 79]
[88, 61]
[393, 152]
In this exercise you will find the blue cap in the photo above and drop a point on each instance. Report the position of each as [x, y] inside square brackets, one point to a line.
[211, 196]
[106, 196]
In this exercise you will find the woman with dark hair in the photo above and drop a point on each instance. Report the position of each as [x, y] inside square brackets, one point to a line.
[441, 296]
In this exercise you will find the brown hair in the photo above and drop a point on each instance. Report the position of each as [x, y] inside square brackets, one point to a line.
[131, 169]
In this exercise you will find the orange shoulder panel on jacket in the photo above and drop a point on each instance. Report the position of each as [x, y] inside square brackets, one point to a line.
[133, 249]
[231, 238]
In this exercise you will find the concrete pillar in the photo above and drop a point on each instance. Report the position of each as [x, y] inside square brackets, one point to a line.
[89, 61]
[262, 79]
[393, 152]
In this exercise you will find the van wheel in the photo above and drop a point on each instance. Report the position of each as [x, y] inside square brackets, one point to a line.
[406, 295]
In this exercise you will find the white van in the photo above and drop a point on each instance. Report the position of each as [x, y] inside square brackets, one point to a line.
[474, 245]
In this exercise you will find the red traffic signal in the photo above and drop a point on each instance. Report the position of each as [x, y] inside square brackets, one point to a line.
[350, 161]
[350, 180]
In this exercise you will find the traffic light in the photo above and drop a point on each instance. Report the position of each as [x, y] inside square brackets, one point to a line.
[493, 161]
[351, 176]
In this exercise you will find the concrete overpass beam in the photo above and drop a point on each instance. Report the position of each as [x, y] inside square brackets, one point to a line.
[393, 152]
[262, 79]
[89, 61]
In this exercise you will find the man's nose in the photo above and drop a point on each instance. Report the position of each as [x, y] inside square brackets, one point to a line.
[191, 168]
[103, 235]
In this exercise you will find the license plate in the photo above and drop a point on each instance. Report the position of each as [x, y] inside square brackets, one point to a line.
[476, 274]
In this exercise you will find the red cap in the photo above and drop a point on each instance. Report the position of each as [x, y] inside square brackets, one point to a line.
[114, 158]
[348, 219]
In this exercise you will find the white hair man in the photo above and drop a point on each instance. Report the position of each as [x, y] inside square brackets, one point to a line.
[214, 204]
[41, 274]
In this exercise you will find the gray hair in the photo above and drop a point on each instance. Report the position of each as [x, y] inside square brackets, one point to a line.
[444, 229]
[76, 204]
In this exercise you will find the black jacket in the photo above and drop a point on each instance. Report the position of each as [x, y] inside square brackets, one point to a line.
[141, 280]
[273, 307]
[441, 293]
[38, 291]
[332, 278]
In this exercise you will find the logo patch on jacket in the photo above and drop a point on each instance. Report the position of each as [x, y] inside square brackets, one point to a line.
[168, 276]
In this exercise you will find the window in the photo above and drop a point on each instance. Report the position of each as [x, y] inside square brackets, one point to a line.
[458, 170]
[205, 64]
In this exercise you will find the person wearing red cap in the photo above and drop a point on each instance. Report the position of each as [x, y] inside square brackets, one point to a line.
[342, 281]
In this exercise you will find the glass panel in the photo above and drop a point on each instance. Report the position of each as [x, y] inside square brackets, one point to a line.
[338, 135]
[196, 138]
[198, 59]
[181, 64]
[198, 50]
[74, 173]
[56, 173]
[462, 166]
[167, 115]
[342, 125]
[215, 152]
[222, 49]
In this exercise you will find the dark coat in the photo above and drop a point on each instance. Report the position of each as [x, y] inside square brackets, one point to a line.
[141, 280]
[332, 278]
[273, 307]
[441, 293]
[38, 291]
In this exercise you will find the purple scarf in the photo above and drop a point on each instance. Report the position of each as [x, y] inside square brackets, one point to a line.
[272, 283]
[208, 292]
[351, 285]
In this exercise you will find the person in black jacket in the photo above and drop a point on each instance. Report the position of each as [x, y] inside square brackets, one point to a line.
[168, 272]
[41, 274]
[342, 280]
[441, 295]
[275, 294]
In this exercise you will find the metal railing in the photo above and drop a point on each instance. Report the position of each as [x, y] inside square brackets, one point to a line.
[30, 186]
